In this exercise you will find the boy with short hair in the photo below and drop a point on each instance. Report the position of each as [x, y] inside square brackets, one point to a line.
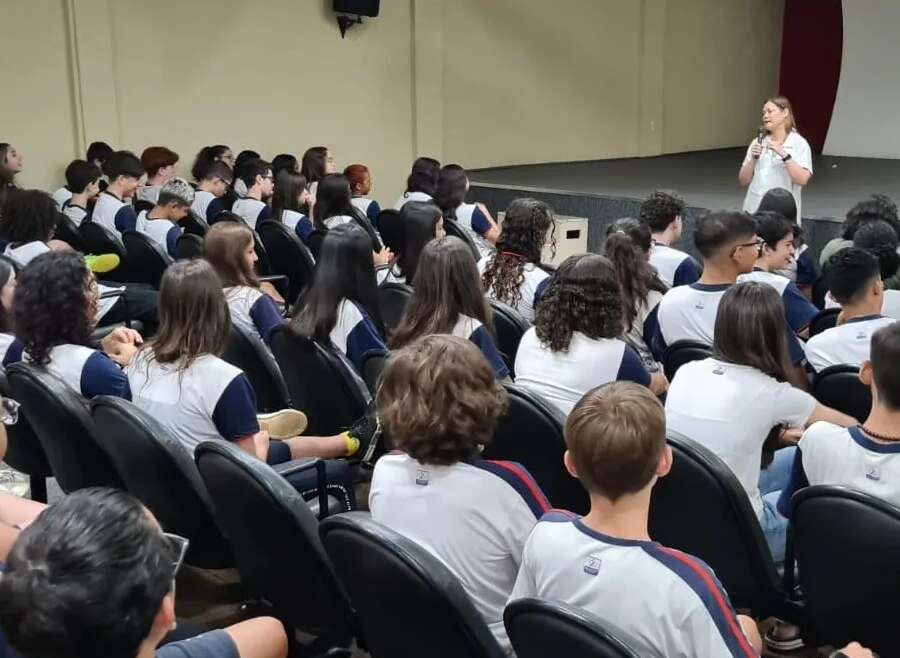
[159, 163]
[112, 211]
[662, 212]
[210, 190]
[83, 184]
[253, 207]
[161, 223]
[669, 603]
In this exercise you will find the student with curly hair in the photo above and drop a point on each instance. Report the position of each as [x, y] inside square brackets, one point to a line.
[879, 239]
[663, 212]
[512, 273]
[27, 224]
[575, 344]
[440, 403]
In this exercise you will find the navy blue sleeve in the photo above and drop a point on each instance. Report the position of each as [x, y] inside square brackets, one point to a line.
[235, 412]
[485, 342]
[303, 229]
[686, 273]
[539, 291]
[651, 325]
[796, 481]
[172, 241]
[795, 349]
[264, 214]
[126, 219]
[214, 644]
[13, 352]
[806, 270]
[265, 316]
[214, 208]
[362, 338]
[101, 376]
[632, 369]
[480, 223]
[372, 213]
[797, 308]
[656, 342]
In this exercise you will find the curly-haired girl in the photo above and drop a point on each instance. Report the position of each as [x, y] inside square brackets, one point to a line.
[512, 274]
[575, 345]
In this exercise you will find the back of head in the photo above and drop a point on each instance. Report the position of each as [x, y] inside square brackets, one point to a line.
[250, 169]
[880, 239]
[615, 436]
[98, 153]
[123, 163]
[80, 174]
[885, 355]
[582, 296]
[721, 229]
[750, 329]
[358, 176]
[86, 578]
[224, 246]
[289, 186]
[850, 274]
[27, 216]
[176, 190]
[155, 158]
[424, 176]
[661, 209]
[417, 222]
[452, 185]
[772, 227]
[627, 243]
[876, 207]
[439, 400]
[332, 198]
[206, 158]
[244, 156]
[781, 201]
[285, 162]
[315, 163]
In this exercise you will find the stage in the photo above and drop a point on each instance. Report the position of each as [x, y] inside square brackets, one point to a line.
[604, 190]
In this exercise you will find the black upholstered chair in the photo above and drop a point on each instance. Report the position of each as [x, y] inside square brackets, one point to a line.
[390, 229]
[194, 224]
[320, 382]
[68, 232]
[392, 301]
[824, 319]
[189, 246]
[64, 428]
[539, 628]
[451, 227]
[160, 472]
[839, 387]
[408, 602]
[274, 538]
[314, 242]
[248, 352]
[373, 363]
[681, 352]
[288, 256]
[531, 434]
[846, 545]
[509, 327]
[98, 240]
[147, 260]
[701, 508]
[24, 451]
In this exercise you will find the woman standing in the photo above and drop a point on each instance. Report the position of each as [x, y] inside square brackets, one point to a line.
[779, 157]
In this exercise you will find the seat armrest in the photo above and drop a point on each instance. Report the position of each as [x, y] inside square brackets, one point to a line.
[280, 281]
[321, 508]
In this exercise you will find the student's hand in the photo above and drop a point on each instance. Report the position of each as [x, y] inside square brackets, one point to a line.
[59, 245]
[383, 257]
[121, 344]
[756, 150]
[791, 435]
[658, 382]
[271, 291]
[856, 650]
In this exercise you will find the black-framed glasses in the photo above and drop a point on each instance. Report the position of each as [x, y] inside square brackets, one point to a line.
[758, 243]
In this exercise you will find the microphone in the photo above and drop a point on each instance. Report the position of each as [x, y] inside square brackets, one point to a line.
[760, 134]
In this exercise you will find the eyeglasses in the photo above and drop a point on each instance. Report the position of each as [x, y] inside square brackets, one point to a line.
[758, 243]
[178, 547]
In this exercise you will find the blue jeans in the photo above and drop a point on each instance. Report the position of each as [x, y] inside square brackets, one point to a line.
[771, 481]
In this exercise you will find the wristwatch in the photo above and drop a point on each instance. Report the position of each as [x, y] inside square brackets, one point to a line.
[787, 156]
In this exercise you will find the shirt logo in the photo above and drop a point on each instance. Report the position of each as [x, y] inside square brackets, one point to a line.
[699, 306]
[719, 369]
[873, 472]
[862, 335]
[592, 566]
[422, 478]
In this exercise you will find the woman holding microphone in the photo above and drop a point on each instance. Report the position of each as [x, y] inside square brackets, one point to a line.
[778, 157]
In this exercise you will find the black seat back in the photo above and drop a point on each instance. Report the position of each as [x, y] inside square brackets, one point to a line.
[824, 319]
[274, 538]
[846, 545]
[194, 224]
[701, 508]
[160, 472]
[839, 387]
[189, 246]
[247, 351]
[531, 434]
[64, 427]
[392, 301]
[539, 628]
[314, 242]
[819, 290]
[681, 352]
[409, 603]
[288, 256]
[146, 259]
[509, 327]
[98, 240]
[391, 229]
[453, 228]
[68, 232]
[373, 364]
[320, 382]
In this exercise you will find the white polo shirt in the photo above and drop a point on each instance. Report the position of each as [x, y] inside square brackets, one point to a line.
[474, 331]
[163, 232]
[421, 197]
[674, 267]
[770, 172]
[86, 371]
[532, 287]
[251, 211]
[114, 214]
[253, 310]
[60, 197]
[354, 333]
[473, 221]
[848, 343]
[730, 409]
[368, 207]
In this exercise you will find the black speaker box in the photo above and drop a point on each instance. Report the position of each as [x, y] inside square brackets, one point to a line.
[357, 7]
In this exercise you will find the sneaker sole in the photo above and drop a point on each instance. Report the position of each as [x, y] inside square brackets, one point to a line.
[783, 645]
[284, 424]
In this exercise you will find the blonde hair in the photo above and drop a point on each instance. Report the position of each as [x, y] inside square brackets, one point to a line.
[785, 104]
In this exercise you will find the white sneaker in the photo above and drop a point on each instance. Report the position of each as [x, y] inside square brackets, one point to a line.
[283, 424]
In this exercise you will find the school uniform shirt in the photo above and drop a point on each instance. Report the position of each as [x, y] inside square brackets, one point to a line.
[163, 232]
[368, 207]
[670, 604]
[114, 214]
[798, 310]
[473, 516]
[473, 221]
[60, 196]
[23, 254]
[206, 205]
[890, 307]
[421, 197]
[644, 327]
[802, 269]
[473, 330]
[251, 211]
[253, 310]
[674, 267]
[829, 454]
[73, 212]
[299, 223]
[10, 349]
[338, 220]
[532, 287]
[213, 644]
[562, 378]
[354, 333]
[770, 172]
[846, 343]
[85, 370]
[210, 401]
[730, 409]
[148, 193]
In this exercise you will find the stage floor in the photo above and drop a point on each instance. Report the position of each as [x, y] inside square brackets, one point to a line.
[706, 179]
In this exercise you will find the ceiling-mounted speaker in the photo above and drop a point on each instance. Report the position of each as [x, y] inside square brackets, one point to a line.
[357, 7]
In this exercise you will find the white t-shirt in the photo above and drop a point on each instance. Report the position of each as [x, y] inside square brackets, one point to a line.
[60, 196]
[73, 212]
[473, 221]
[422, 197]
[644, 326]
[163, 232]
[251, 211]
[730, 409]
[770, 172]
[670, 604]
[474, 331]
[562, 378]
[674, 267]
[846, 343]
[473, 516]
[114, 214]
[798, 310]
[532, 287]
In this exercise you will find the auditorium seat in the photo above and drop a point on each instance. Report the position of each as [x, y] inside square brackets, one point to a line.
[68, 233]
[288, 256]
[147, 260]
[390, 229]
[392, 301]
[681, 352]
[453, 228]
[194, 224]
[189, 246]
[248, 352]
[509, 327]
[839, 387]
[98, 240]
[373, 363]
[824, 319]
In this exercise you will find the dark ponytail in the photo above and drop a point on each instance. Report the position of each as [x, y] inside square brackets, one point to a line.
[625, 240]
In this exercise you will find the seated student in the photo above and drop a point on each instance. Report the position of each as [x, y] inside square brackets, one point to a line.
[112, 211]
[161, 222]
[876, 207]
[448, 299]
[212, 186]
[512, 273]
[27, 224]
[98, 153]
[439, 402]
[421, 183]
[285, 162]
[731, 402]
[667, 602]
[419, 224]
[802, 268]
[777, 252]
[879, 239]
[7, 293]
[253, 207]
[853, 276]
[289, 201]
[207, 157]
[94, 576]
[159, 163]
[341, 306]
[361, 186]
[662, 213]
[474, 219]
[576, 342]
[83, 186]
[628, 245]
[333, 207]
[10, 167]
[317, 163]
[238, 188]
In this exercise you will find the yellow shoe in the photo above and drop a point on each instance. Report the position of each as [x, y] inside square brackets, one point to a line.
[102, 263]
[283, 424]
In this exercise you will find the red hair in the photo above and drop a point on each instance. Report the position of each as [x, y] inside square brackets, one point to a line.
[358, 176]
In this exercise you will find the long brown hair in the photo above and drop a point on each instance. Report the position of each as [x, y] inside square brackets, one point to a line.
[224, 247]
[784, 104]
[625, 247]
[446, 286]
[289, 186]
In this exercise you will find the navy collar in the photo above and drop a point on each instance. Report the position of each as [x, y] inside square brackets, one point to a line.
[711, 287]
[113, 196]
[864, 318]
[865, 442]
[606, 539]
